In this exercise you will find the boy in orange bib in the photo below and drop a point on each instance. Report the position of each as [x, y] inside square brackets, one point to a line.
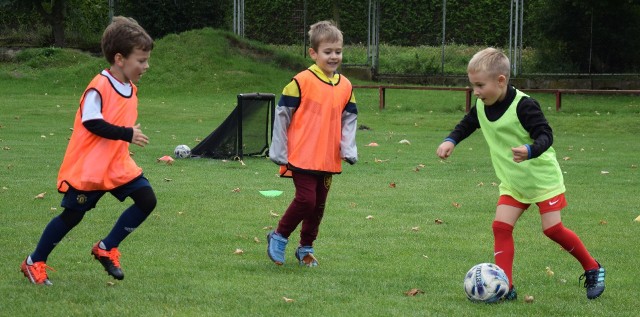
[97, 159]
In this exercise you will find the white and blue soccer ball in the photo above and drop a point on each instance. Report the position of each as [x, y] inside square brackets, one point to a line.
[182, 151]
[486, 283]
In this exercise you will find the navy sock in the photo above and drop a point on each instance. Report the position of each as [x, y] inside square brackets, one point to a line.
[51, 236]
[128, 221]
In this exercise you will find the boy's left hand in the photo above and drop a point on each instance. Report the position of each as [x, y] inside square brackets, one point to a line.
[520, 153]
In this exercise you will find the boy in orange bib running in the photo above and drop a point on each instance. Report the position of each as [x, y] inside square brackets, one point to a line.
[97, 159]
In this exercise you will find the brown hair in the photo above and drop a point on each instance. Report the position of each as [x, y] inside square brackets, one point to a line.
[492, 61]
[324, 31]
[122, 36]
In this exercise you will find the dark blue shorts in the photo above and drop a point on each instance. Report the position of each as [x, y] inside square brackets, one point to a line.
[83, 201]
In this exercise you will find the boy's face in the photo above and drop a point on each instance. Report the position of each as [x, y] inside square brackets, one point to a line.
[132, 67]
[328, 57]
[489, 89]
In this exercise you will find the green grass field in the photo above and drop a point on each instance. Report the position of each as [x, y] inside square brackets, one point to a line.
[376, 241]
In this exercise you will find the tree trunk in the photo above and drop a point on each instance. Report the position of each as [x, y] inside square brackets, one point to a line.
[55, 19]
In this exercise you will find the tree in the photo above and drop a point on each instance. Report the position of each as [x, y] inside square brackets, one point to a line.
[53, 12]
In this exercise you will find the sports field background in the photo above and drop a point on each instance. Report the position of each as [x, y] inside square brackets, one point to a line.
[399, 219]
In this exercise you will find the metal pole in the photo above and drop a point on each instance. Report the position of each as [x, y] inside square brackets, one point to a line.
[521, 25]
[511, 33]
[444, 28]
[369, 36]
[515, 46]
[304, 27]
[111, 5]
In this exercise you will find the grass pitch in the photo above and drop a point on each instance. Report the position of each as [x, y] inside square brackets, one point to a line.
[400, 219]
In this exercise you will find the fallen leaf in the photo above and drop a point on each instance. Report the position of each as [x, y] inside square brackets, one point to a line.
[236, 190]
[603, 222]
[287, 300]
[40, 196]
[421, 165]
[415, 228]
[167, 179]
[528, 299]
[238, 251]
[549, 272]
[372, 144]
[634, 166]
[405, 141]
[267, 228]
[439, 221]
[392, 185]
[369, 217]
[566, 158]
[414, 292]
[604, 172]
[637, 219]
[481, 184]
[377, 160]
[256, 240]
[110, 283]
[455, 204]
[353, 205]
[273, 214]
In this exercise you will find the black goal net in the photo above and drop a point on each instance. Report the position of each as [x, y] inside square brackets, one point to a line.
[245, 132]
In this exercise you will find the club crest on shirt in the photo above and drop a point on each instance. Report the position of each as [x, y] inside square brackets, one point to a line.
[327, 181]
[81, 199]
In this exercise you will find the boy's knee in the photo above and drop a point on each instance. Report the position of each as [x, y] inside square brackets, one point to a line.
[145, 199]
[71, 217]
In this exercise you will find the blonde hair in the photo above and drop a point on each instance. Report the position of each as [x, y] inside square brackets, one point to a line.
[491, 61]
[324, 31]
[122, 36]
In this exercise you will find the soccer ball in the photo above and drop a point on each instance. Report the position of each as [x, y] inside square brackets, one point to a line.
[182, 151]
[486, 283]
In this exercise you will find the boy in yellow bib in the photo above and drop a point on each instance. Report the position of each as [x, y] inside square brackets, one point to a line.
[519, 139]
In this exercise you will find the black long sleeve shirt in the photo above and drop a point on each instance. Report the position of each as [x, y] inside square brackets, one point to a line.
[529, 114]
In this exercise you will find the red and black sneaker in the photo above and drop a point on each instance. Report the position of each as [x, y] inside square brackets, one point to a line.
[110, 259]
[36, 272]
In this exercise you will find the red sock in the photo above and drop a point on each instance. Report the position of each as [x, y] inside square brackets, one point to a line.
[572, 243]
[503, 249]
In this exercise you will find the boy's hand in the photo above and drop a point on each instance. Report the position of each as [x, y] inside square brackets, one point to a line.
[139, 138]
[520, 153]
[445, 149]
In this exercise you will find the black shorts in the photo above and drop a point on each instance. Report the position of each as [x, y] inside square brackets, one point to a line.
[83, 200]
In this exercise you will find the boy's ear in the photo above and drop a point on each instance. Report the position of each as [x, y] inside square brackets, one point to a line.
[312, 53]
[119, 59]
[502, 79]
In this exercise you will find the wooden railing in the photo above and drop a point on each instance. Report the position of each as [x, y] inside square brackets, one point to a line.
[468, 92]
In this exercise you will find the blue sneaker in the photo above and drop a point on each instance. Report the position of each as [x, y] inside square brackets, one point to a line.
[275, 247]
[594, 282]
[305, 256]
